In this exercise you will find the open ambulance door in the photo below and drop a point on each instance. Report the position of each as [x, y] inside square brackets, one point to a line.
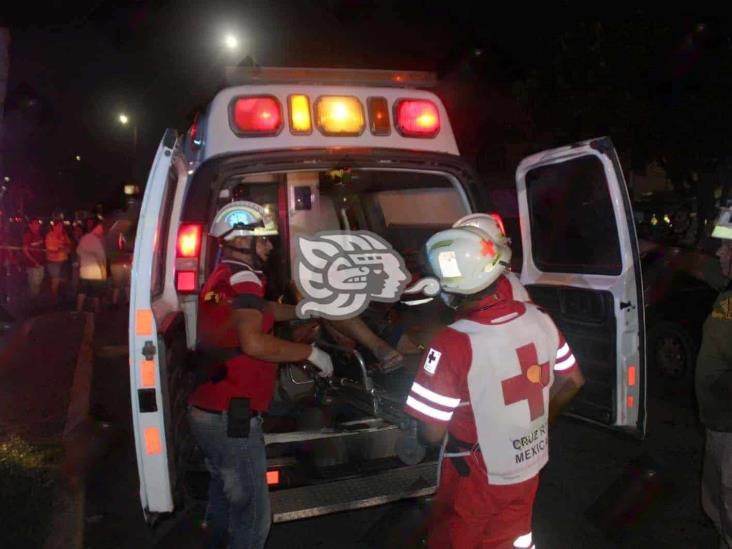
[581, 264]
[157, 343]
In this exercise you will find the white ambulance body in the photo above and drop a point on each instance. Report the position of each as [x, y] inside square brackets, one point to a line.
[362, 150]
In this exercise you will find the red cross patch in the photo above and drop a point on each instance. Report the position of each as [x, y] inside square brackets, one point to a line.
[529, 384]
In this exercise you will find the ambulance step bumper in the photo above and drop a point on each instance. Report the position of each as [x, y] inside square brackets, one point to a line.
[346, 495]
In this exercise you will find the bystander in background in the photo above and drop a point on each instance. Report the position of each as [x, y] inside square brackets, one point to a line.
[92, 266]
[34, 257]
[58, 248]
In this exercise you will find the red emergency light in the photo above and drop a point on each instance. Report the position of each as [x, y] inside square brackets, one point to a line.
[188, 248]
[256, 115]
[189, 240]
[417, 118]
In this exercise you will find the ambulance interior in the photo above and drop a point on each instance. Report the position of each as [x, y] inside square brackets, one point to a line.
[403, 207]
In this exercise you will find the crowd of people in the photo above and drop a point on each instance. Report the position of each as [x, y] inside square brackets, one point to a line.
[64, 264]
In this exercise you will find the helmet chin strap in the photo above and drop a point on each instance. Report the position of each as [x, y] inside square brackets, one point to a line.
[251, 251]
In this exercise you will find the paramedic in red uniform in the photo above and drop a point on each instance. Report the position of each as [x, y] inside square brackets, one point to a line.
[226, 414]
[494, 380]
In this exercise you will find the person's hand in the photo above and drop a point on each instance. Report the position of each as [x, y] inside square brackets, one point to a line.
[390, 360]
[321, 360]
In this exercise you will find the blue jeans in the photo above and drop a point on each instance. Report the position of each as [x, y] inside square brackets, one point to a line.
[238, 497]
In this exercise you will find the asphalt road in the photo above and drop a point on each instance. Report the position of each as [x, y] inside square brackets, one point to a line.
[599, 490]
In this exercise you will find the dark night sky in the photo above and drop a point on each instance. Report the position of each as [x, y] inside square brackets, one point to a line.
[76, 66]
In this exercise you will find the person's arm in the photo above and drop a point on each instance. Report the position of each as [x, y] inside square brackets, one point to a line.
[282, 312]
[435, 393]
[568, 380]
[431, 434]
[257, 344]
[27, 254]
[358, 330]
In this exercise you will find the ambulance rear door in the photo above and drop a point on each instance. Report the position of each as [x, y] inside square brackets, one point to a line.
[581, 264]
[157, 340]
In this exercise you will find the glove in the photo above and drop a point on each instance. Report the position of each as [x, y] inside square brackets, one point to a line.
[321, 360]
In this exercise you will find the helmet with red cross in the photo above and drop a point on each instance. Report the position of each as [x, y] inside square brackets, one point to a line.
[467, 260]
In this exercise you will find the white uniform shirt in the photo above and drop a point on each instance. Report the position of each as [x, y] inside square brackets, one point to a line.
[488, 376]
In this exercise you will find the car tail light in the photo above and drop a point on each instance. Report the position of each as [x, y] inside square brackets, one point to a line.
[256, 115]
[339, 115]
[417, 118]
[379, 116]
[188, 248]
[300, 120]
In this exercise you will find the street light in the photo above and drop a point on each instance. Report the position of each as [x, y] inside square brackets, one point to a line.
[78, 158]
[231, 42]
[124, 119]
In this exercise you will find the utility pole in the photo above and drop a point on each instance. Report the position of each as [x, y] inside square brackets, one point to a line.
[4, 72]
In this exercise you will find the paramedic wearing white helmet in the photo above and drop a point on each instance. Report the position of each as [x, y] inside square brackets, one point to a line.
[714, 386]
[508, 283]
[226, 412]
[494, 380]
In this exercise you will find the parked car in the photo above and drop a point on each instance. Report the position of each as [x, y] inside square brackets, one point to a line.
[676, 306]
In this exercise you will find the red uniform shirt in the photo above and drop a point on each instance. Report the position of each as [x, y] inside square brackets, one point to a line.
[233, 285]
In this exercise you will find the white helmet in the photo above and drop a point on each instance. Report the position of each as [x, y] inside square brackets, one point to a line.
[723, 225]
[243, 218]
[492, 226]
[466, 259]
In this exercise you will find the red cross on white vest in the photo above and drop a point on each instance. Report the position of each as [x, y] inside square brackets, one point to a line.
[529, 384]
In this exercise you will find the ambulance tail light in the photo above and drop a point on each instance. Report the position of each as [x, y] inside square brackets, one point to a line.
[417, 118]
[379, 116]
[300, 119]
[256, 116]
[339, 115]
[188, 248]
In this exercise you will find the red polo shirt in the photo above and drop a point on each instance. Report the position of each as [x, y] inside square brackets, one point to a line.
[233, 285]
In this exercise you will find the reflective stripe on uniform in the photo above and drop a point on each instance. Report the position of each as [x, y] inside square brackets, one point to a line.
[566, 363]
[428, 410]
[437, 398]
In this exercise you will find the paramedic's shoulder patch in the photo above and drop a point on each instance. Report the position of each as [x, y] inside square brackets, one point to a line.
[431, 361]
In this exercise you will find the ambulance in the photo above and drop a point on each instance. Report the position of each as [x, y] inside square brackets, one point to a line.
[331, 149]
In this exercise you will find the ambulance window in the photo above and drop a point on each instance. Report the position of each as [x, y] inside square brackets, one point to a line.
[573, 225]
[161, 237]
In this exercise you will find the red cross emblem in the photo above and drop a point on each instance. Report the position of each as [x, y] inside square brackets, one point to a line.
[529, 384]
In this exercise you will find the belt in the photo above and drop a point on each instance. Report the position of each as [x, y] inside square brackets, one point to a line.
[255, 413]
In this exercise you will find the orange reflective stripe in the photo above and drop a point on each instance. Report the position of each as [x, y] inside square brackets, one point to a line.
[147, 373]
[152, 441]
[143, 322]
[631, 375]
[273, 477]
[631, 401]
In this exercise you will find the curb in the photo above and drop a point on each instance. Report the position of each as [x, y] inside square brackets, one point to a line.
[67, 524]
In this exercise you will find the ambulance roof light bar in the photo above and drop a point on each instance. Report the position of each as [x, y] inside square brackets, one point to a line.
[237, 76]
